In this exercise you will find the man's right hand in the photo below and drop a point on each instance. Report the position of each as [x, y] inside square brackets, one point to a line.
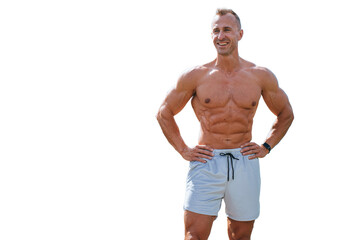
[198, 153]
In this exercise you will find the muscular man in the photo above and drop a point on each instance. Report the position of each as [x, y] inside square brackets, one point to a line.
[225, 164]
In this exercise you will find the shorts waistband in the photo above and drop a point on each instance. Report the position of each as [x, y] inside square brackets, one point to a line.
[233, 150]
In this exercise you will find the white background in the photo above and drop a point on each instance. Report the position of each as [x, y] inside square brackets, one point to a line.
[81, 153]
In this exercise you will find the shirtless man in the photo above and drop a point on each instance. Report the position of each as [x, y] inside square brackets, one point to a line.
[225, 165]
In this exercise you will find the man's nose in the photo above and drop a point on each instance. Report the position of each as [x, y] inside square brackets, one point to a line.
[221, 35]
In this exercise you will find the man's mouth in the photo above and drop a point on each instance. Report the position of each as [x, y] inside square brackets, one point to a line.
[222, 43]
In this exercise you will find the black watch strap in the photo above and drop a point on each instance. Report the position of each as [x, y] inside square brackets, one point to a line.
[267, 146]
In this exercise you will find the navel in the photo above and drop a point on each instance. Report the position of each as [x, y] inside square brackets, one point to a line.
[254, 103]
[207, 100]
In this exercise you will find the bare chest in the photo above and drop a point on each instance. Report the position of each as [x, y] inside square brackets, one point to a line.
[217, 90]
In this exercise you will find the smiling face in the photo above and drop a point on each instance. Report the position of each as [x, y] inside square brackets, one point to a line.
[226, 34]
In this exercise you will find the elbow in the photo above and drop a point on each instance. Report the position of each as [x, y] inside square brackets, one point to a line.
[290, 119]
[290, 116]
[286, 116]
[164, 114]
[161, 114]
[291, 113]
[158, 116]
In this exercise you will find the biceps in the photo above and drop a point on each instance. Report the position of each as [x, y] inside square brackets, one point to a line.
[276, 101]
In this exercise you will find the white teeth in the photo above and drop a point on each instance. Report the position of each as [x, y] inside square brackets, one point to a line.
[222, 44]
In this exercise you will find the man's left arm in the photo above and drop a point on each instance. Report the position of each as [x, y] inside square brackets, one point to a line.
[278, 103]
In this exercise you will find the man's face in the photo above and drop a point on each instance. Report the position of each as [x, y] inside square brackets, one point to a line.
[225, 34]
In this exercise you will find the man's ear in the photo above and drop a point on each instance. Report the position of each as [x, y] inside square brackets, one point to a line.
[241, 33]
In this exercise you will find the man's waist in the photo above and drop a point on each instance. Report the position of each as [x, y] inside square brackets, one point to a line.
[224, 141]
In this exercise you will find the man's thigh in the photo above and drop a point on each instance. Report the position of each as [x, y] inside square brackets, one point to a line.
[197, 226]
[240, 229]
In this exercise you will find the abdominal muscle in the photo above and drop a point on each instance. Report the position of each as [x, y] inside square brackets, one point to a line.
[224, 127]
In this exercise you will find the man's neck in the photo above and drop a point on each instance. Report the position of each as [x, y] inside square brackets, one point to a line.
[229, 63]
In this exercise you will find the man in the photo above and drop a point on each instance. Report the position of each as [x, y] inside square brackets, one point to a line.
[225, 165]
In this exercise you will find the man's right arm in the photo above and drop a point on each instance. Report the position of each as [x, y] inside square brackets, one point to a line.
[173, 104]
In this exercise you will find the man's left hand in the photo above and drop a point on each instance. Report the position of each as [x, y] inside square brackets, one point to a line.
[258, 151]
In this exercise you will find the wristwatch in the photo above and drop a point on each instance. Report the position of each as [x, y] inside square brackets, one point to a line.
[267, 146]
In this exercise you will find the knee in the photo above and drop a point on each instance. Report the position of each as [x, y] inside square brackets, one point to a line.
[190, 235]
[244, 238]
[239, 237]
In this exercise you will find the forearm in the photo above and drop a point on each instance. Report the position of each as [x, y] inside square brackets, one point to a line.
[280, 127]
[170, 129]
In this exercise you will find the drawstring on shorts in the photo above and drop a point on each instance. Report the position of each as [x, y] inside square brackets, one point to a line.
[231, 156]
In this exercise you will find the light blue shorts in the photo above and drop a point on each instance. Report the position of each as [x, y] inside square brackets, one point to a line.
[230, 176]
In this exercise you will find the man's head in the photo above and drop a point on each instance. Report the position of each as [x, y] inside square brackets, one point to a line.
[226, 31]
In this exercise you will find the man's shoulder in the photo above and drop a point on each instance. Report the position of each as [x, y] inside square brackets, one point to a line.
[196, 71]
[265, 77]
[261, 73]
[259, 70]
[193, 74]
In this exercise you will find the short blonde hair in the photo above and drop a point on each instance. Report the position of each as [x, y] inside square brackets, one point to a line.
[224, 11]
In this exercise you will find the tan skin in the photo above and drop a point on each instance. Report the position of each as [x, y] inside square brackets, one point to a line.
[224, 95]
